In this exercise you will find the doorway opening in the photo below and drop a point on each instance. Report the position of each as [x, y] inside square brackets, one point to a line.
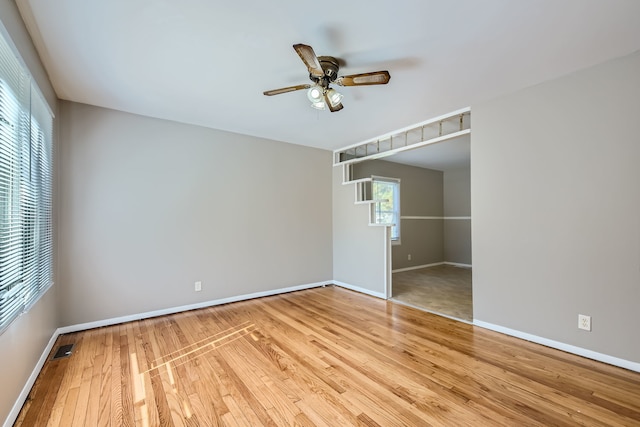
[431, 263]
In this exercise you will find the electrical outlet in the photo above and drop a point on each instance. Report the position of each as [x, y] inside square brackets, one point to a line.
[198, 286]
[409, 257]
[584, 322]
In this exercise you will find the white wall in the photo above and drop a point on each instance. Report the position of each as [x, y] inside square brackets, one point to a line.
[149, 206]
[22, 344]
[556, 209]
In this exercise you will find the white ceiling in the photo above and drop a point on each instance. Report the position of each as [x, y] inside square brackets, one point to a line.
[207, 62]
[446, 155]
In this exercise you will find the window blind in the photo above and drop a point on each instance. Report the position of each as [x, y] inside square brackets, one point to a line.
[26, 247]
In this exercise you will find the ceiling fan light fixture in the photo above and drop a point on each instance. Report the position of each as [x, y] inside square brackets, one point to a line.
[315, 94]
[334, 97]
[320, 105]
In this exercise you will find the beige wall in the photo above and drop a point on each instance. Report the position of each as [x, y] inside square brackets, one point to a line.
[421, 194]
[22, 344]
[457, 203]
[457, 241]
[426, 192]
[556, 208]
[149, 206]
[359, 251]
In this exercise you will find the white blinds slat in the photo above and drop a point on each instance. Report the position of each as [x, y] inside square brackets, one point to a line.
[26, 126]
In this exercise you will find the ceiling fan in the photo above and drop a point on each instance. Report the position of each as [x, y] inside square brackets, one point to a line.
[323, 70]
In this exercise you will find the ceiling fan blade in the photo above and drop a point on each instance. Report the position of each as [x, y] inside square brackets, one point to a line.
[374, 78]
[285, 90]
[310, 59]
[332, 108]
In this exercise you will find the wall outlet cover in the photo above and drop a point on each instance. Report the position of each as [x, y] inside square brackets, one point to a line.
[584, 322]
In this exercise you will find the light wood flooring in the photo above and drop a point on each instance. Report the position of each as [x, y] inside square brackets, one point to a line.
[443, 289]
[322, 357]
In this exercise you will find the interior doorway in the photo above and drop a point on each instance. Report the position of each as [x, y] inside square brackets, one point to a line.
[431, 261]
[443, 286]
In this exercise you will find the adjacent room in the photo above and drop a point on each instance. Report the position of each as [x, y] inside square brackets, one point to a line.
[431, 253]
[211, 213]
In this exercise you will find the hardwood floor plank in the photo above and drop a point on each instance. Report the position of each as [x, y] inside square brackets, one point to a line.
[95, 384]
[70, 379]
[162, 378]
[126, 384]
[38, 404]
[69, 407]
[322, 357]
[114, 416]
[104, 375]
[144, 399]
[86, 351]
[241, 392]
[306, 386]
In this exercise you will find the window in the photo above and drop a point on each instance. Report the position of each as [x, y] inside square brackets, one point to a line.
[25, 189]
[388, 210]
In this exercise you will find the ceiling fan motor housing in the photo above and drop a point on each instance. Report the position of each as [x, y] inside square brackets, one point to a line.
[330, 66]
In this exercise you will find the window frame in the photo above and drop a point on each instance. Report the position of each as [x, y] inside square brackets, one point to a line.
[26, 188]
[395, 212]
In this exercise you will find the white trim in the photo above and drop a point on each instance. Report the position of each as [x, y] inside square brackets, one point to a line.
[435, 264]
[397, 198]
[435, 217]
[404, 129]
[388, 278]
[458, 264]
[405, 148]
[421, 217]
[172, 310]
[589, 354]
[385, 178]
[16, 52]
[356, 181]
[370, 202]
[22, 397]
[417, 267]
[380, 295]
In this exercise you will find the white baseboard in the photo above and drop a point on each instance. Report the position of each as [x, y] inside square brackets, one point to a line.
[22, 397]
[589, 354]
[172, 310]
[457, 264]
[417, 267]
[435, 264]
[359, 289]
